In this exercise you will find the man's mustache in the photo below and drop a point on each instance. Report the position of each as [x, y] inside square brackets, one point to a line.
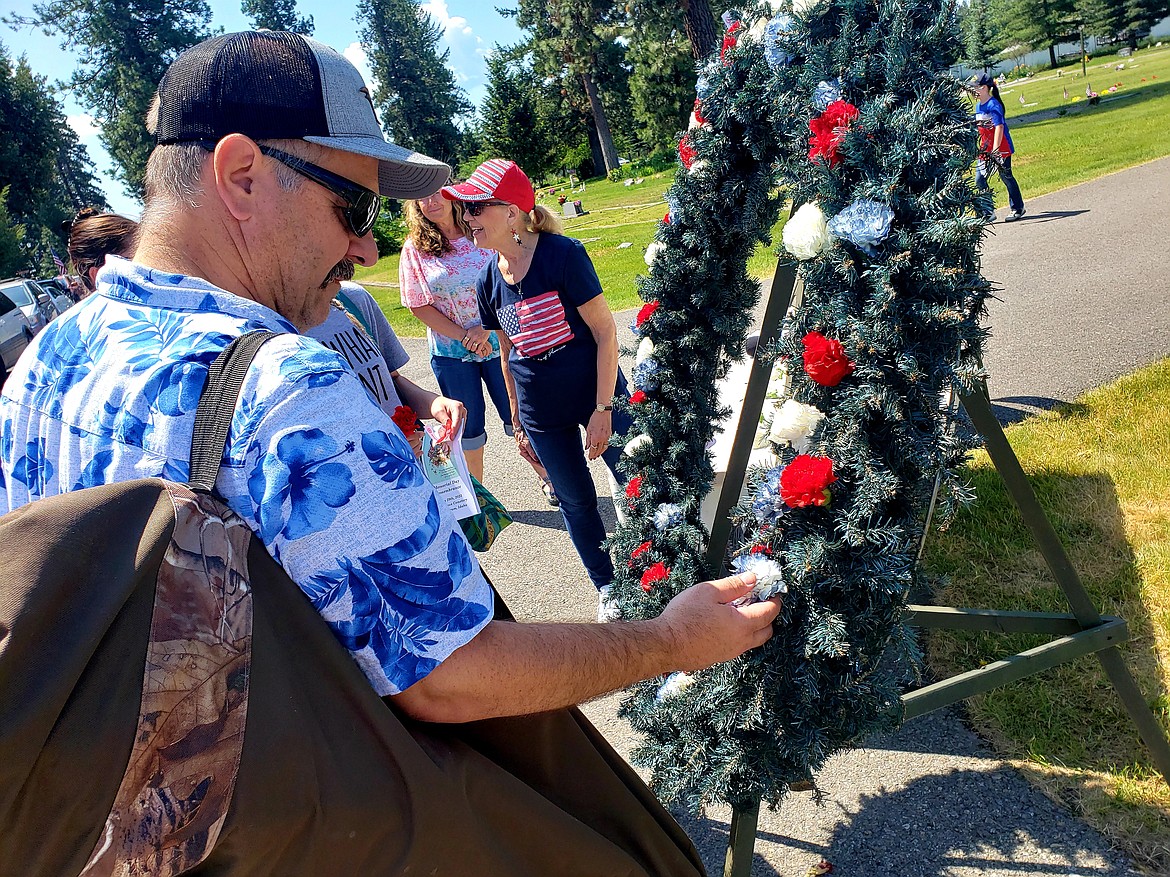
[343, 270]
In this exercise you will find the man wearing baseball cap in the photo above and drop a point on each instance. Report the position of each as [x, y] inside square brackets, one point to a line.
[260, 196]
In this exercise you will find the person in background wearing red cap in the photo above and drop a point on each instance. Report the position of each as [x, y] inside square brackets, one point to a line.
[436, 279]
[558, 346]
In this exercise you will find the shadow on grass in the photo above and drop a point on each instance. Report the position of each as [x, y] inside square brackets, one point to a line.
[1134, 95]
[1013, 409]
[1069, 716]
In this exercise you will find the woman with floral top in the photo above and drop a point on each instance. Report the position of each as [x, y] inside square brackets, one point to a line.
[436, 275]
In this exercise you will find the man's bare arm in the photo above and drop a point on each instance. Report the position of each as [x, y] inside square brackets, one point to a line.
[516, 669]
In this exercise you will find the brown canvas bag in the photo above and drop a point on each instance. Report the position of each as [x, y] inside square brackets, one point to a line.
[170, 703]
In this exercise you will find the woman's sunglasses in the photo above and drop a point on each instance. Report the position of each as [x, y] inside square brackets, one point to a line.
[362, 206]
[475, 208]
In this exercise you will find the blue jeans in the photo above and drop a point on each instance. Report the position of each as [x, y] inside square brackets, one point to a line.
[562, 452]
[464, 380]
[1015, 199]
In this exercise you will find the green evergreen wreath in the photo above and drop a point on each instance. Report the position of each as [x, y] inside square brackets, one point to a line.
[849, 107]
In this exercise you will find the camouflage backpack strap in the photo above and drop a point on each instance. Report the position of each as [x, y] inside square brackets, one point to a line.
[178, 785]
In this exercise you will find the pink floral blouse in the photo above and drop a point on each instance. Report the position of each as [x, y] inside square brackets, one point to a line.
[448, 283]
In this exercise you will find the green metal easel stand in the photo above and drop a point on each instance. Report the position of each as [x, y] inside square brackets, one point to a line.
[1082, 632]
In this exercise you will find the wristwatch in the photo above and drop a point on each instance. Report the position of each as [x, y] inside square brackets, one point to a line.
[600, 407]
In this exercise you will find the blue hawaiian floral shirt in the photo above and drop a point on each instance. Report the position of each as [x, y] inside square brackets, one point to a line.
[108, 391]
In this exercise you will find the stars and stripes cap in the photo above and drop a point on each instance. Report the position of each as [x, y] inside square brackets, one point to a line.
[273, 85]
[496, 179]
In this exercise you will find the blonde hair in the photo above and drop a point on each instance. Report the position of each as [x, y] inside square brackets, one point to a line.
[426, 236]
[543, 220]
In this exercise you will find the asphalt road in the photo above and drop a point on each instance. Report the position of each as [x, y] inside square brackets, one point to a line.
[1083, 299]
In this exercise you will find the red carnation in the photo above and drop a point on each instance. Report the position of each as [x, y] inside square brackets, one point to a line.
[666, 218]
[828, 130]
[656, 573]
[405, 419]
[686, 152]
[761, 549]
[699, 117]
[805, 481]
[638, 552]
[825, 360]
[638, 397]
[730, 38]
[647, 310]
[634, 487]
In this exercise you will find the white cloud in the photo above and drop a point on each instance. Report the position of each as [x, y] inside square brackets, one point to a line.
[357, 56]
[83, 124]
[451, 24]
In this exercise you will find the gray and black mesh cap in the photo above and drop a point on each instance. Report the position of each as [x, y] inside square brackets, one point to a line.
[275, 85]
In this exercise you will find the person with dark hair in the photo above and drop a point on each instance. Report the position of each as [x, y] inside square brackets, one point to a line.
[436, 277]
[93, 235]
[558, 344]
[995, 145]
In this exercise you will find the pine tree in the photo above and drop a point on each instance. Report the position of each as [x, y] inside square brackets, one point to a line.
[981, 41]
[122, 50]
[511, 122]
[46, 170]
[1138, 16]
[897, 287]
[662, 77]
[568, 36]
[277, 15]
[414, 89]
[11, 240]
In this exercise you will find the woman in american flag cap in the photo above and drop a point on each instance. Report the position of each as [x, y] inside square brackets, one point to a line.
[558, 347]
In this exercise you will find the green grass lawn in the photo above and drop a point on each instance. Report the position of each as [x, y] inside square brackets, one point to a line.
[1098, 468]
[1052, 151]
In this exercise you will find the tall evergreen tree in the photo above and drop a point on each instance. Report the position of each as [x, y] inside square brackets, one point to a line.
[122, 50]
[511, 124]
[46, 170]
[568, 37]
[11, 240]
[414, 89]
[277, 15]
[699, 24]
[981, 40]
[662, 77]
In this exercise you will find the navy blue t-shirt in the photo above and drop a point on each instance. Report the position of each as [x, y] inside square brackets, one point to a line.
[554, 356]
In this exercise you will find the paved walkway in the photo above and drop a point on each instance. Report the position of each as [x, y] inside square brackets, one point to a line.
[1084, 298]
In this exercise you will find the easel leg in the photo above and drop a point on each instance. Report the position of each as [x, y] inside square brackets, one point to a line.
[741, 842]
[1004, 459]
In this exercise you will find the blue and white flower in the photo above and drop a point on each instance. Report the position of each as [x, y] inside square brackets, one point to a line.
[675, 684]
[668, 515]
[777, 29]
[645, 375]
[864, 223]
[769, 575]
[826, 92]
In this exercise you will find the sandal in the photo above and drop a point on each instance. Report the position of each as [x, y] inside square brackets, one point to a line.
[549, 493]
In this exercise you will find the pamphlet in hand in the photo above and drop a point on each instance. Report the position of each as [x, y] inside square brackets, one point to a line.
[446, 469]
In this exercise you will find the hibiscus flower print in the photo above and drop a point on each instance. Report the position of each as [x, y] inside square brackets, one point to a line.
[298, 488]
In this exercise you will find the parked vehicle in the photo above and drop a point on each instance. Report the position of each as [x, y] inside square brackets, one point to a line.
[33, 302]
[59, 291]
[15, 334]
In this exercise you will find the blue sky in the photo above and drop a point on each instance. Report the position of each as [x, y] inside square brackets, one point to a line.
[470, 29]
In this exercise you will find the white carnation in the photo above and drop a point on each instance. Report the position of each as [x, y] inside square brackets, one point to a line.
[675, 684]
[795, 423]
[757, 30]
[636, 442]
[652, 252]
[694, 122]
[807, 232]
[645, 351]
[803, 7]
[699, 166]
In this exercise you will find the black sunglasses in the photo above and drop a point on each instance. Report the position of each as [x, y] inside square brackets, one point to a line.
[362, 205]
[475, 208]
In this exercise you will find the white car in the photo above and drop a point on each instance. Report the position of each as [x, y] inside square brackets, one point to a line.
[33, 302]
[15, 334]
